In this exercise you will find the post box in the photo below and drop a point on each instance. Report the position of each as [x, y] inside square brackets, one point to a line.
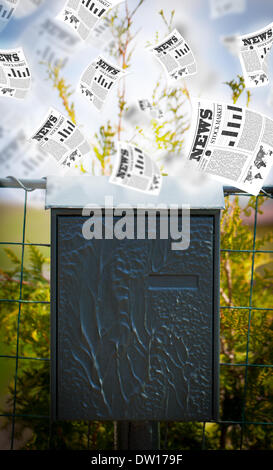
[134, 322]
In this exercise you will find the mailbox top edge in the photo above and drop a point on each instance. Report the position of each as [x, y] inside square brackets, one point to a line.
[81, 190]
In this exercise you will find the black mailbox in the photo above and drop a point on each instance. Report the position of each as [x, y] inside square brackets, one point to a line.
[135, 332]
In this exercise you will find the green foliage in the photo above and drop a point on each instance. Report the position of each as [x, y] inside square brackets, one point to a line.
[121, 49]
[242, 396]
[121, 27]
[168, 25]
[167, 135]
[181, 436]
[63, 90]
[251, 400]
[32, 394]
[105, 147]
[35, 328]
[237, 269]
[33, 381]
[238, 87]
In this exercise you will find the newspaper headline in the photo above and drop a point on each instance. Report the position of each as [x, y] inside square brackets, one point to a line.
[60, 137]
[134, 169]
[98, 79]
[253, 54]
[231, 143]
[15, 76]
[175, 55]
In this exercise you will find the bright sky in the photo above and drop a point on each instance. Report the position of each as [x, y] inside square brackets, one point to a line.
[192, 19]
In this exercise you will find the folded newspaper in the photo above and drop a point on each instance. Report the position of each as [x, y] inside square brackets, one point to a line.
[253, 54]
[83, 15]
[98, 79]
[152, 109]
[223, 7]
[175, 56]
[15, 76]
[60, 137]
[7, 9]
[231, 143]
[135, 170]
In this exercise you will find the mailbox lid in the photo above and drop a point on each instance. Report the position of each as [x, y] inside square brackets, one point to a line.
[78, 191]
[135, 325]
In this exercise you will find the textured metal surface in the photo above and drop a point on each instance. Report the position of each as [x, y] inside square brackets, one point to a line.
[129, 344]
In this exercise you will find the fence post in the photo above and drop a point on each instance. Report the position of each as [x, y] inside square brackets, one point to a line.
[137, 435]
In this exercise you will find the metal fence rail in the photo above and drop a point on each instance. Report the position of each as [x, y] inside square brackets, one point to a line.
[29, 185]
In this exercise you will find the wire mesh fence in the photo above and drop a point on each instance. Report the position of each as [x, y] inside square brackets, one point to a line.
[237, 418]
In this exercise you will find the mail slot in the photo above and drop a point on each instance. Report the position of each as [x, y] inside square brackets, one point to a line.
[134, 322]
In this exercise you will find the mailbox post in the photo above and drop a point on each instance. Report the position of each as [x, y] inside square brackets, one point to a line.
[134, 323]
